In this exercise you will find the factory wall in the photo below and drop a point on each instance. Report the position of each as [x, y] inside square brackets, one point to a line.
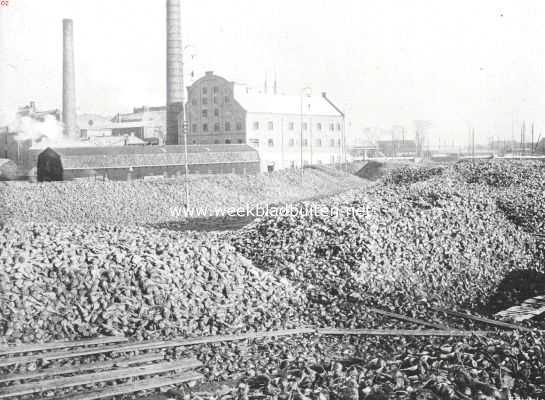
[51, 172]
[17, 151]
[214, 116]
[277, 138]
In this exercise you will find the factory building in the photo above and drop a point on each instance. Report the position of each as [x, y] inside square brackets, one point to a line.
[18, 150]
[397, 148]
[140, 162]
[285, 130]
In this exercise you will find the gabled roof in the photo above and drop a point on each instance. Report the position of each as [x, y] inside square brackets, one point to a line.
[135, 156]
[284, 104]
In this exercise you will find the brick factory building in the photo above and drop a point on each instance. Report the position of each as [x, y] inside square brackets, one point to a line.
[221, 112]
[137, 162]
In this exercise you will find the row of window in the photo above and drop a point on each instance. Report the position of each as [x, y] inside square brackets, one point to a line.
[291, 142]
[217, 127]
[291, 126]
[227, 141]
[332, 160]
[215, 100]
[215, 90]
[204, 113]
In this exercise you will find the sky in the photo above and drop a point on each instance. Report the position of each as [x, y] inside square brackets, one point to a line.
[459, 64]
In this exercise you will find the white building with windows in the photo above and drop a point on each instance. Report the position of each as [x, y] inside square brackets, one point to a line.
[287, 131]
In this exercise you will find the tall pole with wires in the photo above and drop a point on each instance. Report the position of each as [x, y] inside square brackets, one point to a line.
[473, 145]
[306, 90]
[186, 180]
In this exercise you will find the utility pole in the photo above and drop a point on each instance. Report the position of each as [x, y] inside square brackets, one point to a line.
[308, 91]
[532, 138]
[186, 180]
[473, 145]
[301, 139]
[522, 138]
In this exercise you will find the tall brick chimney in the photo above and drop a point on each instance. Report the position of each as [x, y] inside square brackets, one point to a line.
[175, 76]
[68, 80]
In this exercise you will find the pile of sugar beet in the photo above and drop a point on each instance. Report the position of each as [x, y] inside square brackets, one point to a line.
[443, 241]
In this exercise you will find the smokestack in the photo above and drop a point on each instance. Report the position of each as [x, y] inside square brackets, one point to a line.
[175, 76]
[68, 80]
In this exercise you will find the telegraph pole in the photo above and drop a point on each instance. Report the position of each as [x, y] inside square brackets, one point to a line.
[473, 145]
[186, 180]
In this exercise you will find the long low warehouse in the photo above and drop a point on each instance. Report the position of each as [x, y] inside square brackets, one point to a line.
[137, 162]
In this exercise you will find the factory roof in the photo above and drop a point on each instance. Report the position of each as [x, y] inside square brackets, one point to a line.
[112, 141]
[284, 104]
[139, 156]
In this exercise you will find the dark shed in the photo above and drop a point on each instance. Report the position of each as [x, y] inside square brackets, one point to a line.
[136, 162]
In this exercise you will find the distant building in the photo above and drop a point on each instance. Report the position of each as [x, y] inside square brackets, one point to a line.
[112, 141]
[397, 148]
[33, 112]
[138, 162]
[277, 126]
[146, 123]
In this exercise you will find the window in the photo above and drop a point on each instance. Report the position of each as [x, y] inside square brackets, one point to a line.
[227, 126]
[318, 126]
[205, 127]
[331, 127]
[305, 126]
[194, 142]
[339, 143]
[270, 143]
[216, 141]
[215, 100]
[292, 142]
[256, 126]
[216, 112]
[194, 101]
[338, 127]
[240, 141]
[205, 100]
[216, 89]
[227, 99]
[227, 141]
[216, 127]
[205, 113]
[204, 90]
[319, 142]
[291, 126]
[270, 125]
[332, 142]
[194, 128]
[305, 142]
[239, 126]
[254, 142]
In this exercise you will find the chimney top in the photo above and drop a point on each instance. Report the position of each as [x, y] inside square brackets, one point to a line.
[208, 73]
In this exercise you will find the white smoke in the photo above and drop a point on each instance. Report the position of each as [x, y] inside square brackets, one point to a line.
[27, 128]
[46, 132]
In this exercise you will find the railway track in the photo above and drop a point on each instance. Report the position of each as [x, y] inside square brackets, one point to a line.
[120, 367]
